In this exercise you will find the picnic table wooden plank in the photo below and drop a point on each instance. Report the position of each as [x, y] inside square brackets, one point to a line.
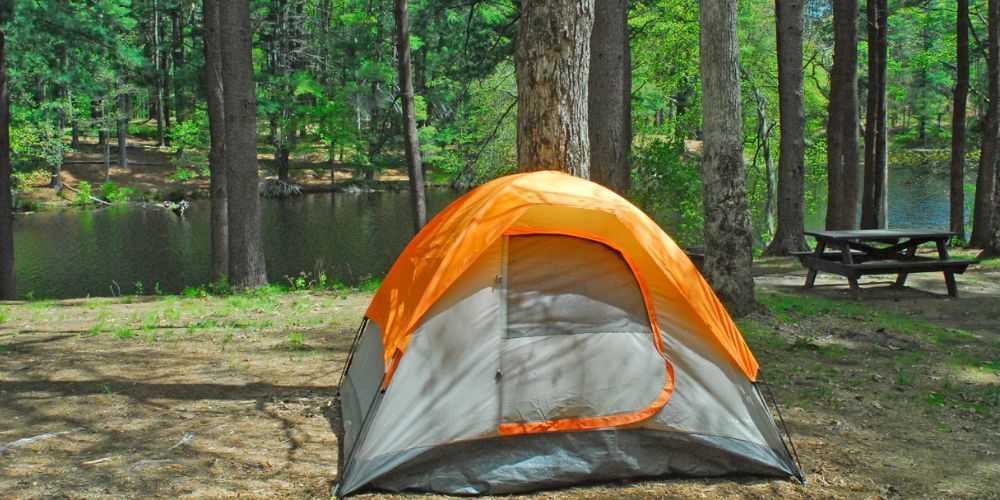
[879, 234]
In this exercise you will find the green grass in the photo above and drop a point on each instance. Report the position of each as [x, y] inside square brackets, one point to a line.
[124, 333]
[296, 342]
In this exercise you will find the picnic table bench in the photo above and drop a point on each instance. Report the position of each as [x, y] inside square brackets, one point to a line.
[854, 254]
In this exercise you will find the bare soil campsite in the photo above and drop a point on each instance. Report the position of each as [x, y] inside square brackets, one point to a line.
[897, 395]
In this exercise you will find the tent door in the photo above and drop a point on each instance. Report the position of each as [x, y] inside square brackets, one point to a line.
[577, 347]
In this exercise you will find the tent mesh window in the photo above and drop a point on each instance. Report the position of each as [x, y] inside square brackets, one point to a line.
[572, 302]
[562, 285]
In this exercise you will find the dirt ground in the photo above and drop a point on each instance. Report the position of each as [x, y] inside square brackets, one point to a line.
[894, 396]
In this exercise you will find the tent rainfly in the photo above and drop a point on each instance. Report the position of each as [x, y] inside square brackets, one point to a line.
[542, 331]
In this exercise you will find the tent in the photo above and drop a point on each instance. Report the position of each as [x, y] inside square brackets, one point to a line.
[542, 331]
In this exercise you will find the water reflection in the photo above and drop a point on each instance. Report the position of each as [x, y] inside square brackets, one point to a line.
[71, 253]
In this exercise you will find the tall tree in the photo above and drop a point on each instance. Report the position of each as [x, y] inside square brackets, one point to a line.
[609, 96]
[991, 243]
[728, 242]
[246, 253]
[122, 129]
[790, 23]
[842, 128]
[982, 215]
[414, 169]
[217, 136]
[158, 62]
[873, 200]
[957, 195]
[177, 54]
[7, 289]
[552, 59]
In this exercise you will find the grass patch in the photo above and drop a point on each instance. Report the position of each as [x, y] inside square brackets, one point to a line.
[296, 342]
[124, 333]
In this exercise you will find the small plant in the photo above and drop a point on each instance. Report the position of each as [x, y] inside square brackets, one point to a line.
[140, 289]
[115, 194]
[4, 348]
[96, 329]
[156, 288]
[368, 284]
[106, 389]
[299, 282]
[227, 338]
[124, 333]
[83, 196]
[296, 342]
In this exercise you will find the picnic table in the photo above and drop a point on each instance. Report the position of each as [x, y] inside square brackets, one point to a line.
[857, 253]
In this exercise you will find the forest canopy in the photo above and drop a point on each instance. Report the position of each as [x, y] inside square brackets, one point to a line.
[327, 88]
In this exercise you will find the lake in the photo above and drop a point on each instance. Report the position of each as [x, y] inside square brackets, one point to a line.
[348, 236]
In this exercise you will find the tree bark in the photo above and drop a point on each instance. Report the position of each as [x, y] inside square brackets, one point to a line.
[164, 94]
[790, 235]
[158, 66]
[957, 191]
[842, 127]
[217, 134]
[986, 178]
[609, 96]
[728, 242]
[414, 169]
[7, 286]
[246, 253]
[177, 39]
[552, 59]
[122, 130]
[873, 203]
[106, 165]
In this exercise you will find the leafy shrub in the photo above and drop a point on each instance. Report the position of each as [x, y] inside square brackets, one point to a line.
[114, 194]
[667, 184]
[83, 197]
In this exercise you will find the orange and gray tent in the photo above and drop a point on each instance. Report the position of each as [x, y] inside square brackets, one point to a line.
[542, 331]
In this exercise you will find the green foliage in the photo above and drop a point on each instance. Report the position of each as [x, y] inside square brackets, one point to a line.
[124, 333]
[296, 342]
[217, 287]
[114, 194]
[666, 182]
[84, 196]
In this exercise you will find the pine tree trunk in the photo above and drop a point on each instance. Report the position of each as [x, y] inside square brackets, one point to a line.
[728, 242]
[74, 134]
[165, 60]
[957, 195]
[873, 203]
[177, 38]
[158, 66]
[217, 134]
[552, 59]
[106, 144]
[246, 253]
[842, 128]
[7, 286]
[122, 130]
[281, 155]
[608, 96]
[414, 169]
[790, 236]
[986, 178]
